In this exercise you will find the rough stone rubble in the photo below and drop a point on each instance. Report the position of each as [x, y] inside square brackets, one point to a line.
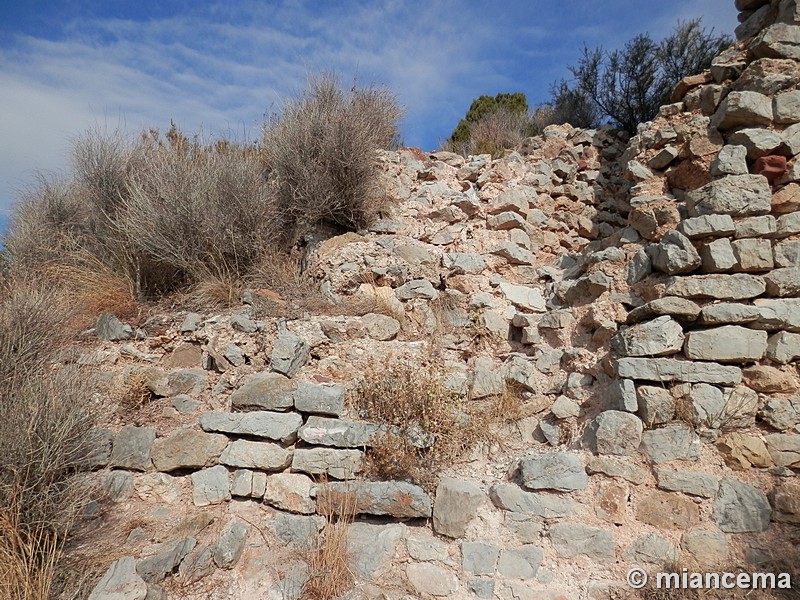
[644, 296]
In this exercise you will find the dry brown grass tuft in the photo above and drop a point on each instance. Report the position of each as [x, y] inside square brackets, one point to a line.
[29, 556]
[94, 287]
[435, 425]
[44, 421]
[329, 574]
[132, 393]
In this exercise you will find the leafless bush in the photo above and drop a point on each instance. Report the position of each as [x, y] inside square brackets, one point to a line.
[43, 425]
[320, 151]
[195, 210]
[49, 218]
[499, 130]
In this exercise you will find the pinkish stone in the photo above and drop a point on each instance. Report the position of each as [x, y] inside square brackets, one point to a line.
[771, 166]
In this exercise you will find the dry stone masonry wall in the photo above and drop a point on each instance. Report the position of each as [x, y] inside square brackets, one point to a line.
[641, 295]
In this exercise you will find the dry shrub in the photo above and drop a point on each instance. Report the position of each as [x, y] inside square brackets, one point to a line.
[28, 558]
[93, 286]
[133, 392]
[321, 155]
[44, 421]
[436, 424]
[499, 130]
[195, 210]
[329, 574]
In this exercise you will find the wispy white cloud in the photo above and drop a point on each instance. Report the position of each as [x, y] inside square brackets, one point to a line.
[221, 66]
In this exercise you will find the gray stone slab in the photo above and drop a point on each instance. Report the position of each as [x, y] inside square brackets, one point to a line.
[688, 482]
[383, 498]
[717, 287]
[729, 343]
[323, 431]
[740, 508]
[673, 442]
[131, 448]
[511, 497]
[575, 539]
[187, 448]
[456, 503]
[736, 195]
[560, 471]
[261, 424]
[210, 486]
[667, 369]
[320, 399]
[335, 463]
[707, 225]
[264, 391]
[265, 456]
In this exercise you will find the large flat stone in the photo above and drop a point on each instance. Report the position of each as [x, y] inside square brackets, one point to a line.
[371, 547]
[514, 499]
[667, 369]
[688, 482]
[187, 448]
[681, 309]
[743, 109]
[783, 282]
[740, 508]
[211, 486]
[457, 503]
[264, 391]
[527, 298]
[575, 539]
[319, 399]
[431, 580]
[784, 448]
[664, 510]
[659, 337]
[261, 424]
[265, 456]
[336, 463]
[783, 347]
[717, 287]
[673, 442]
[131, 448]
[120, 582]
[736, 195]
[290, 492]
[323, 431]
[777, 314]
[560, 471]
[707, 225]
[615, 432]
[729, 343]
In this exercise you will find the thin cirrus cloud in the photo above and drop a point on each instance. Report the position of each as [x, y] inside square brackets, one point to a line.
[220, 67]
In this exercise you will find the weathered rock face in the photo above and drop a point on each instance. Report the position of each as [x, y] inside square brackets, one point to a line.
[643, 297]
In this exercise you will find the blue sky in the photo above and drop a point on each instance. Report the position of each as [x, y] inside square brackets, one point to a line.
[220, 66]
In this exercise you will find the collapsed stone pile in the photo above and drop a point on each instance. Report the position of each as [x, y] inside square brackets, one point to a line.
[641, 295]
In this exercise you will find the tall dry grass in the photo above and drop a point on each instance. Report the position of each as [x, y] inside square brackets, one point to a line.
[329, 573]
[44, 421]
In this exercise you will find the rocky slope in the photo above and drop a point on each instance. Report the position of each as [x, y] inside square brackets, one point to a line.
[642, 298]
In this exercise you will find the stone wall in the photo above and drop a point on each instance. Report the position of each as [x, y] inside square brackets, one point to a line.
[642, 298]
